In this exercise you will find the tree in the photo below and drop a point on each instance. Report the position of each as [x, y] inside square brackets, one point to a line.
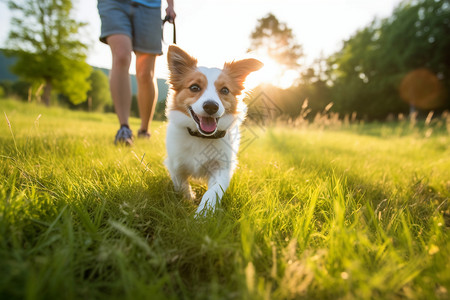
[276, 39]
[99, 95]
[370, 69]
[44, 40]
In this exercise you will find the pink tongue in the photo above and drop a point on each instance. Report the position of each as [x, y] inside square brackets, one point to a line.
[208, 124]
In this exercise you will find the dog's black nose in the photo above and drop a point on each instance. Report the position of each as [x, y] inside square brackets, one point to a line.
[211, 107]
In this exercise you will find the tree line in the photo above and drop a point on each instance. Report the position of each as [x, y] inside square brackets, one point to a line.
[50, 58]
[393, 65]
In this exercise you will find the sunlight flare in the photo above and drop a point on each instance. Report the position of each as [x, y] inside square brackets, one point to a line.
[272, 73]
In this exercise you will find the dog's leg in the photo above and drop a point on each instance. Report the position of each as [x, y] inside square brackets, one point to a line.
[181, 184]
[217, 185]
[185, 188]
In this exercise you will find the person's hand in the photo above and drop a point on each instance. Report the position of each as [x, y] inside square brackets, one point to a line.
[170, 13]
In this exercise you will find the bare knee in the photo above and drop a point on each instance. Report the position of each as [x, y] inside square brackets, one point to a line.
[145, 68]
[121, 50]
[121, 58]
[145, 75]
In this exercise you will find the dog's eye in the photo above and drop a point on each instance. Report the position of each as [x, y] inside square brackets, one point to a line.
[224, 91]
[194, 88]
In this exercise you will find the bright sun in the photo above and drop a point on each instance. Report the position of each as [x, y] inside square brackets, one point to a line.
[272, 73]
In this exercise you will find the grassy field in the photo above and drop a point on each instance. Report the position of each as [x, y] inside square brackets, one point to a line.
[359, 212]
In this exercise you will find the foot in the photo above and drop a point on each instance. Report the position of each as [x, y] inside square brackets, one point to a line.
[208, 204]
[143, 134]
[124, 136]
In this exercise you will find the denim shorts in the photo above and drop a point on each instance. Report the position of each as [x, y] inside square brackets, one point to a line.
[141, 23]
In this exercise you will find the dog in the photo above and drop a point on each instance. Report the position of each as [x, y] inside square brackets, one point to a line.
[204, 112]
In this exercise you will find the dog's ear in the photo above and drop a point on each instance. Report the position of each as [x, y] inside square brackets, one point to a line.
[239, 70]
[179, 63]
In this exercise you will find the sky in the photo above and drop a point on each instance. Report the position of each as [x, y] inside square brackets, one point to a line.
[215, 31]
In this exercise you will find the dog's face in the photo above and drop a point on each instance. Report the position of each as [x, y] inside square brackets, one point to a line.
[206, 94]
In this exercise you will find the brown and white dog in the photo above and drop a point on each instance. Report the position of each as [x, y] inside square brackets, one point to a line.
[204, 113]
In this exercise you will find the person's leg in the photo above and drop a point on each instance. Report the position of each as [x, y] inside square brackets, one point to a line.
[147, 88]
[121, 47]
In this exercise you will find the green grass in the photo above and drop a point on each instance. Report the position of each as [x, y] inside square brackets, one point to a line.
[359, 212]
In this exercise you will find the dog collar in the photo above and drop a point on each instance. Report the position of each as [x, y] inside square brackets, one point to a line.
[218, 135]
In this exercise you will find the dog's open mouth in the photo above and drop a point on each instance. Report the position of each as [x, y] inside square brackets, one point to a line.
[206, 125]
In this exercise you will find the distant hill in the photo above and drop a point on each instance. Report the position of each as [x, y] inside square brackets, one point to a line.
[5, 63]
[7, 75]
[163, 88]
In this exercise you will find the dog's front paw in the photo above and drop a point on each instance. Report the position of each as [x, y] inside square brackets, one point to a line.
[208, 204]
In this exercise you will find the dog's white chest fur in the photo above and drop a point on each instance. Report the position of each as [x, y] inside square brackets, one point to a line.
[200, 157]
